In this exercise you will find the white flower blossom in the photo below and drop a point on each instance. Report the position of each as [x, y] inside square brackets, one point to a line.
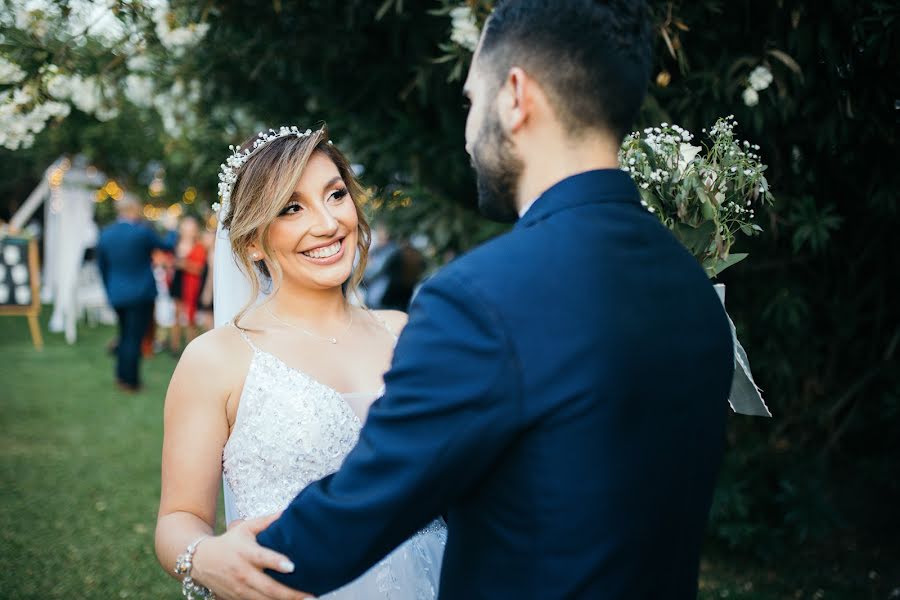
[686, 154]
[19, 124]
[33, 21]
[84, 92]
[176, 40]
[106, 113]
[464, 28]
[760, 78]
[751, 98]
[10, 72]
[139, 90]
[176, 107]
[139, 63]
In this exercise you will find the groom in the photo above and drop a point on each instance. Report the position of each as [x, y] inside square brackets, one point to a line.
[559, 393]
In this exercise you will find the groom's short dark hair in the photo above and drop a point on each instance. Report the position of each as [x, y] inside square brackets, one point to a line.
[591, 57]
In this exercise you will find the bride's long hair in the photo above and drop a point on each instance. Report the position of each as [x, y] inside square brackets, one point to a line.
[263, 187]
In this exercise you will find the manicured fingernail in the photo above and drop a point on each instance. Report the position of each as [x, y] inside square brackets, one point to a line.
[286, 566]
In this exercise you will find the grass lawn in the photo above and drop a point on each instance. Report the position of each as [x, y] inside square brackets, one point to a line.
[79, 461]
[79, 486]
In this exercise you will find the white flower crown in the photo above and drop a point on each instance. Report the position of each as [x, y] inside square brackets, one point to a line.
[228, 169]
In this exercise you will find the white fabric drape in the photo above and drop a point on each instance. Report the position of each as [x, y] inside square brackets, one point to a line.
[69, 229]
[231, 288]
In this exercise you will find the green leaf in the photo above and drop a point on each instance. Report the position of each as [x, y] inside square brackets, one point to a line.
[696, 239]
[714, 266]
[386, 6]
[813, 224]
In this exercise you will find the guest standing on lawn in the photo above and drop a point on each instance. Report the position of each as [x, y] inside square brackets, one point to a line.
[124, 257]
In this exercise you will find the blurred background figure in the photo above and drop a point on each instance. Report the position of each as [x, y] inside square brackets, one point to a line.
[376, 278]
[205, 302]
[124, 254]
[190, 264]
[393, 272]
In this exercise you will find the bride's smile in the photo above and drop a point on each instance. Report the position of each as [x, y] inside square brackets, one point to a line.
[326, 253]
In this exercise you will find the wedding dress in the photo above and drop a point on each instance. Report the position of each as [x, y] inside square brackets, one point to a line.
[291, 430]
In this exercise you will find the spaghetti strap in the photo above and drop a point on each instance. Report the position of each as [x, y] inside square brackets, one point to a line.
[246, 337]
[383, 323]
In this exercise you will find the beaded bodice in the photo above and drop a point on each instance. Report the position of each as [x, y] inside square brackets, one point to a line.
[290, 430]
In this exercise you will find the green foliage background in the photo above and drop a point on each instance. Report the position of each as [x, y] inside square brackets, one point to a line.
[813, 304]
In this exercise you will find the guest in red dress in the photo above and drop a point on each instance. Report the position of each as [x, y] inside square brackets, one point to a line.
[190, 261]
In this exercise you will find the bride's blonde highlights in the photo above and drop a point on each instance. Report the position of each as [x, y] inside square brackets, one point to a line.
[263, 187]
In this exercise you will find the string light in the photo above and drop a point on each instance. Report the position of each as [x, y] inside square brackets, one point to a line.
[55, 179]
[157, 187]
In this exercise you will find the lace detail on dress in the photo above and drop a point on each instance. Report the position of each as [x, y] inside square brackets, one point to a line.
[291, 430]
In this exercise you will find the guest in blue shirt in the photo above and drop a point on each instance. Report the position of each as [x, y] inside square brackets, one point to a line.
[124, 255]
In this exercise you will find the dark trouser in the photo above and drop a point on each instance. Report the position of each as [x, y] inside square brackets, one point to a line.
[133, 322]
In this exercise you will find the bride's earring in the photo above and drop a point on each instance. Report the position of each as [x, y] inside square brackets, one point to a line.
[254, 256]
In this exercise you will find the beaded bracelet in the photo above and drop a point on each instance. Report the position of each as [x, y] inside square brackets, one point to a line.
[183, 565]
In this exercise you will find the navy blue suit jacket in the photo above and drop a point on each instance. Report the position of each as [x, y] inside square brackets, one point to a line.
[561, 394]
[124, 254]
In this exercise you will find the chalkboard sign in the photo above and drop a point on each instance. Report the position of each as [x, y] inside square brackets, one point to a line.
[20, 282]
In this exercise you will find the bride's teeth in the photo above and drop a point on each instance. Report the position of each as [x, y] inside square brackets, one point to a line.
[326, 252]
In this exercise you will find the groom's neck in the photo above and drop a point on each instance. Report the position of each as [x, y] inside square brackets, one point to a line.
[556, 157]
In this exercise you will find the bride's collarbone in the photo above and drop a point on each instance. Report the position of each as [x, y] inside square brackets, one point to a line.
[349, 366]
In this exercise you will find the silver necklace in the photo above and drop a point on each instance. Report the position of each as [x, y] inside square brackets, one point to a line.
[330, 340]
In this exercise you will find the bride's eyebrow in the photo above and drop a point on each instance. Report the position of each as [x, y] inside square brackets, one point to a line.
[298, 196]
[332, 181]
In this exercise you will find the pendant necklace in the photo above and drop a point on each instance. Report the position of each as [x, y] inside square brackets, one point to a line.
[330, 340]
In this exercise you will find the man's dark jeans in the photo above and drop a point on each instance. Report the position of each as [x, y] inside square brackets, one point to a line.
[133, 322]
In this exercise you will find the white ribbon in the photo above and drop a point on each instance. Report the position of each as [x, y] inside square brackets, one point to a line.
[746, 397]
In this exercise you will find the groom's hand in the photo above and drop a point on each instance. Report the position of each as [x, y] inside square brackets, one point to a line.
[232, 564]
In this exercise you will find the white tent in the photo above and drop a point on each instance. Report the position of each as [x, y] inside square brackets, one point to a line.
[74, 287]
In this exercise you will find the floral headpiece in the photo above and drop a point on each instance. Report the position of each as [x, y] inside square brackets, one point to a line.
[228, 170]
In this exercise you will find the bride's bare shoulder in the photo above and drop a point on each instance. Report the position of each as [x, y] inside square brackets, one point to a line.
[215, 353]
[394, 319]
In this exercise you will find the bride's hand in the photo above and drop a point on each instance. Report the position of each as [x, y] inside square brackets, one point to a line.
[231, 565]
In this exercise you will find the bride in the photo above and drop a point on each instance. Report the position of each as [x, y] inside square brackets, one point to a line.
[275, 398]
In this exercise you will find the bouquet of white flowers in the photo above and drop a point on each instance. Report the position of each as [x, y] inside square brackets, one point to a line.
[705, 198]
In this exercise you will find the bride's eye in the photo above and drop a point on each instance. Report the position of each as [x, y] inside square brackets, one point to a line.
[338, 195]
[291, 209]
